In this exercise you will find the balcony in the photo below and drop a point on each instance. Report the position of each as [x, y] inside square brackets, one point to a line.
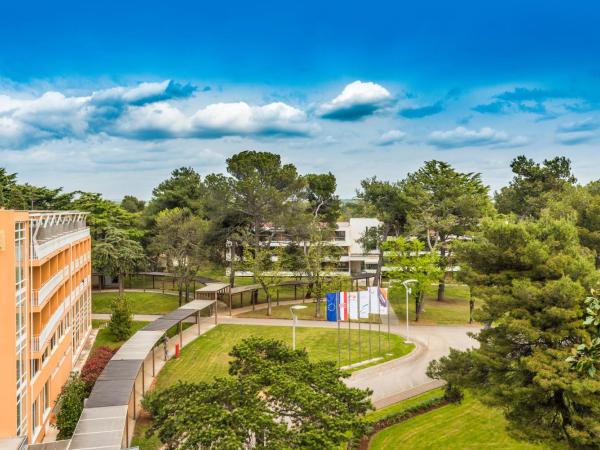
[38, 342]
[42, 294]
[43, 249]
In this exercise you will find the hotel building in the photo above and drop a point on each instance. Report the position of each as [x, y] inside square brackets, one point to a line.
[45, 313]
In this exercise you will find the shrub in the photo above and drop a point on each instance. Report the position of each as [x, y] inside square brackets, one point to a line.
[70, 405]
[121, 319]
[95, 364]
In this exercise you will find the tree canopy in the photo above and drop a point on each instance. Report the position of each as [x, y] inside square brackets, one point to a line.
[276, 398]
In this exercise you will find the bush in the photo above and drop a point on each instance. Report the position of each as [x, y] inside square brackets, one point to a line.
[95, 364]
[70, 405]
[452, 393]
[121, 319]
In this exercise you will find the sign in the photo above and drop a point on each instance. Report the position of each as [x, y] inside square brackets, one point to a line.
[379, 300]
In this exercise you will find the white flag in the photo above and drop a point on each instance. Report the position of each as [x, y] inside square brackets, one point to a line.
[379, 300]
[353, 305]
[363, 299]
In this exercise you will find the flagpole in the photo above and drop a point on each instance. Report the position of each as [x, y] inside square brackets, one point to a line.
[349, 328]
[379, 321]
[387, 301]
[337, 316]
[358, 312]
[369, 291]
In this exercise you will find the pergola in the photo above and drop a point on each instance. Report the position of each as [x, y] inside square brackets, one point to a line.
[112, 407]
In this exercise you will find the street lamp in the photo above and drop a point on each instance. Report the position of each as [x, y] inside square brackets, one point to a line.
[405, 283]
[294, 321]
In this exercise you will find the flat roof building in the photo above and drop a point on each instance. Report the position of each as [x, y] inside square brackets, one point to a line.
[45, 313]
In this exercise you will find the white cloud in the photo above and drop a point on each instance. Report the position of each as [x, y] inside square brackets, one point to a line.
[356, 101]
[464, 137]
[391, 137]
[146, 111]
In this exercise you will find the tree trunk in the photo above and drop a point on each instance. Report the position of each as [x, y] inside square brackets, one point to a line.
[121, 284]
[377, 280]
[187, 292]
[231, 267]
[269, 305]
[471, 308]
[180, 293]
[418, 305]
[318, 308]
[441, 295]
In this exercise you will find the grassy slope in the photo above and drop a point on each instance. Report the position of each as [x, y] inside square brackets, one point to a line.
[139, 302]
[468, 425]
[454, 310]
[283, 312]
[207, 356]
[404, 404]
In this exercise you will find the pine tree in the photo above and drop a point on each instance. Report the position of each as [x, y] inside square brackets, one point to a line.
[121, 319]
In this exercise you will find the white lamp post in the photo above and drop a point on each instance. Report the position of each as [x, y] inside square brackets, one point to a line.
[294, 321]
[405, 283]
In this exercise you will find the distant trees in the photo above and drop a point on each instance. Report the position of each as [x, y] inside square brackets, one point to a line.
[275, 398]
[117, 254]
[410, 259]
[179, 239]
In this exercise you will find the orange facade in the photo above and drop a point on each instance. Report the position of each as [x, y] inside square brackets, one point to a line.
[45, 313]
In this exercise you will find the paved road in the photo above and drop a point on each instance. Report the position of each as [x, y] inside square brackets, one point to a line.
[391, 381]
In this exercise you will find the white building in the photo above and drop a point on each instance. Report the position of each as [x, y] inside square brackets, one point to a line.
[354, 258]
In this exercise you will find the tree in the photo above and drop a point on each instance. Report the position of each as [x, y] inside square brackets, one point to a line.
[266, 264]
[533, 276]
[409, 259]
[265, 192]
[533, 185]
[70, 406]
[180, 240]
[276, 398]
[184, 190]
[450, 205]
[121, 319]
[116, 254]
[391, 205]
[320, 193]
[26, 196]
[132, 204]
[586, 356]
[10, 195]
[95, 364]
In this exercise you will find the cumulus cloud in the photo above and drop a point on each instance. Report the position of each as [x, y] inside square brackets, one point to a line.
[356, 101]
[145, 111]
[391, 137]
[464, 137]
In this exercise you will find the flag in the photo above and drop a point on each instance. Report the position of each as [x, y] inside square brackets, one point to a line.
[332, 298]
[353, 305]
[379, 300]
[363, 299]
[343, 308]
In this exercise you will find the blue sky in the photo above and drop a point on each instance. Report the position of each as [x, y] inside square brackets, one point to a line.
[123, 92]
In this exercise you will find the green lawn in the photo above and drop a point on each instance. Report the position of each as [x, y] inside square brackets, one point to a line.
[139, 302]
[468, 425]
[207, 356]
[454, 310]
[379, 414]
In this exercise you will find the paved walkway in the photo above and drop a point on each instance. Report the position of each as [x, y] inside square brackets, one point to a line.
[391, 381]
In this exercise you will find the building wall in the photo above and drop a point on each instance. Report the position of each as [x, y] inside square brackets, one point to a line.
[58, 318]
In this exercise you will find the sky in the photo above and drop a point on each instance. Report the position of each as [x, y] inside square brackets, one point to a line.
[112, 96]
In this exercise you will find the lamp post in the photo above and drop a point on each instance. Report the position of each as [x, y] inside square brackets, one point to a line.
[294, 321]
[405, 283]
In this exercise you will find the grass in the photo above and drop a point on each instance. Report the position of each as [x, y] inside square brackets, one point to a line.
[139, 302]
[207, 357]
[453, 310]
[139, 435]
[468, 425]
[379, 414]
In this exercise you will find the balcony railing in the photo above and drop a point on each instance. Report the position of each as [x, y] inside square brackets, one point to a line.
[41, 295]
[44, 249]
[38, 342]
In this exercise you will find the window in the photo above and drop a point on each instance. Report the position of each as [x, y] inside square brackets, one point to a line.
[46, 396]
[35, 367]
[340, 235]
[35, 418]
[371, 266]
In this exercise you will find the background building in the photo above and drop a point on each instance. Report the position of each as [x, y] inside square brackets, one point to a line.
[353, 259]
[45, 313]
